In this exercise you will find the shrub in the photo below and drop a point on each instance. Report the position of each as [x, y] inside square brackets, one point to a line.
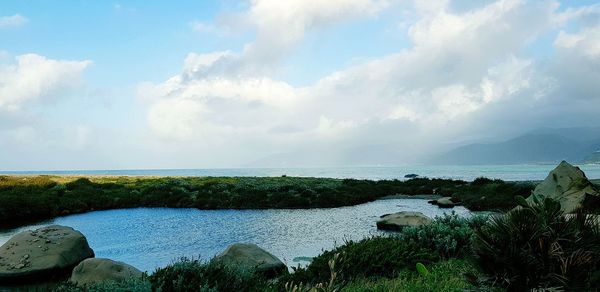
[195, 275]
[370, 257]
[444, 276]
[131, 285]
[450, 235]
[536, 246]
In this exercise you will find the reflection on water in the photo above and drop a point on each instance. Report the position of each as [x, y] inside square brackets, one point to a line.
[148, 238]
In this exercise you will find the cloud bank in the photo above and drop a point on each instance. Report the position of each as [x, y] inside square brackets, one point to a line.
[466, 74]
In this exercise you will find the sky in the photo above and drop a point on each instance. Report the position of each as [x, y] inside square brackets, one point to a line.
[223, 83]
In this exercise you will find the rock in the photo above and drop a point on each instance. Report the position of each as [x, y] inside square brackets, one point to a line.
[445, 202]
[94, 270]
[22, 257]
[397, 221]
[568, 185]
[250, 256]
[411, 175]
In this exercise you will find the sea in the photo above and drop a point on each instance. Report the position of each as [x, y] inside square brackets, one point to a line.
[519, 172]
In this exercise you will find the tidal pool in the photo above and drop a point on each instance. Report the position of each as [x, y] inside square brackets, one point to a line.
[148, 238]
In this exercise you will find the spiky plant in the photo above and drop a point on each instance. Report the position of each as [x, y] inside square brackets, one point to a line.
[537, 246]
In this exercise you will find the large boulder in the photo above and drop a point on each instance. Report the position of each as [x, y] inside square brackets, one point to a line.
[398, 221]
[445, 202]
[48, 251]
[94, 270]
[568, 185]
[250, 256]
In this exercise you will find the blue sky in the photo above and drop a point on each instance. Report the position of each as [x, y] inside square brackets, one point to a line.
[192, 84]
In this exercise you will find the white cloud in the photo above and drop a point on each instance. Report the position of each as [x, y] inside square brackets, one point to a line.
[34, 77]
[459, 67]
[12, 21]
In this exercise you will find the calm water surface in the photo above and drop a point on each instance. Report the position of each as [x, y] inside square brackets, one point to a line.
[465, 172]
[148, 238]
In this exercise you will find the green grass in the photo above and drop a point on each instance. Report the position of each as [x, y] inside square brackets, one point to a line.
[25, 199]
[444, 276]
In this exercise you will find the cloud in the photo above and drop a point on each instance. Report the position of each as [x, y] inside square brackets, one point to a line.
[464, 74]
[34, 77]
[12, 21]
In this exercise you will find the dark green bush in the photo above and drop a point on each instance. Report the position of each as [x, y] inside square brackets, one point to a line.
[537, 246]
[450, 235]
[370, 257]
[195, 275]
[131, 285]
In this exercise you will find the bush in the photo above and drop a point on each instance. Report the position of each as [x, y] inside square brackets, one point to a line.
[444, 276]
[450, 235]
[370, 257]
[536, 246]
[195, 275]
[131, 285]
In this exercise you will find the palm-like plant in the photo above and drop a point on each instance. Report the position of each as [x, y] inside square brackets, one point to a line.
[537, 246]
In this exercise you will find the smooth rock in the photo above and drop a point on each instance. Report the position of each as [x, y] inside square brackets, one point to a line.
[398, 221]
[94, 270]
[445, 202]
[251, 256]
[568, 185]
[21, 257]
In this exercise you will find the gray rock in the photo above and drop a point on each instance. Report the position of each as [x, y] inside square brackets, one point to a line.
[568, 185]
[250, 256]
[94, 270]
[23, 256]
[445, 202]
[398, 221]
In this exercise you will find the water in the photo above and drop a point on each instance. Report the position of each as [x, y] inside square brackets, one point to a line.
[465, 172]
[148, 238]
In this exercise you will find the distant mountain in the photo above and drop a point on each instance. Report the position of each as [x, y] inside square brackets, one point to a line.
[540, 146]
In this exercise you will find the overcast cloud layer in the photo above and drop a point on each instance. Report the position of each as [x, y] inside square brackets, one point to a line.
[467, 73]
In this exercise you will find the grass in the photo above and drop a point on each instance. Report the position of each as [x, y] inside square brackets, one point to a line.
[25, 199]
[444, 276]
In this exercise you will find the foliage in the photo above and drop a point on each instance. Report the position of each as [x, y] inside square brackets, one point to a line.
[444, 276]
[423, 271]
[370, 257]
[25, 199]
[131, 285]
[450, 235]
[195, 275]
[331, 286]
[537, 246]
[486, 194]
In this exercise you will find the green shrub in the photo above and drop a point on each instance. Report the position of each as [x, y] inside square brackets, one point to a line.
[195, 275]
[444, 276]
[370, 257]
[536, 246]
[131, 285]
[450, 235]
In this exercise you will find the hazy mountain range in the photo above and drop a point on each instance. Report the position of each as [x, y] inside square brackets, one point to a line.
[545, 145]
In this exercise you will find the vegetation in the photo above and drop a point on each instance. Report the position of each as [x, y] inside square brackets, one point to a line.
[444, 276]
[532, 247]
[31, 198]
[195, 275]
[537, 247]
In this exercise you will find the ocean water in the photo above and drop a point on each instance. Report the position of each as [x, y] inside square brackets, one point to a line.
[148, 238]
[465, 172]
